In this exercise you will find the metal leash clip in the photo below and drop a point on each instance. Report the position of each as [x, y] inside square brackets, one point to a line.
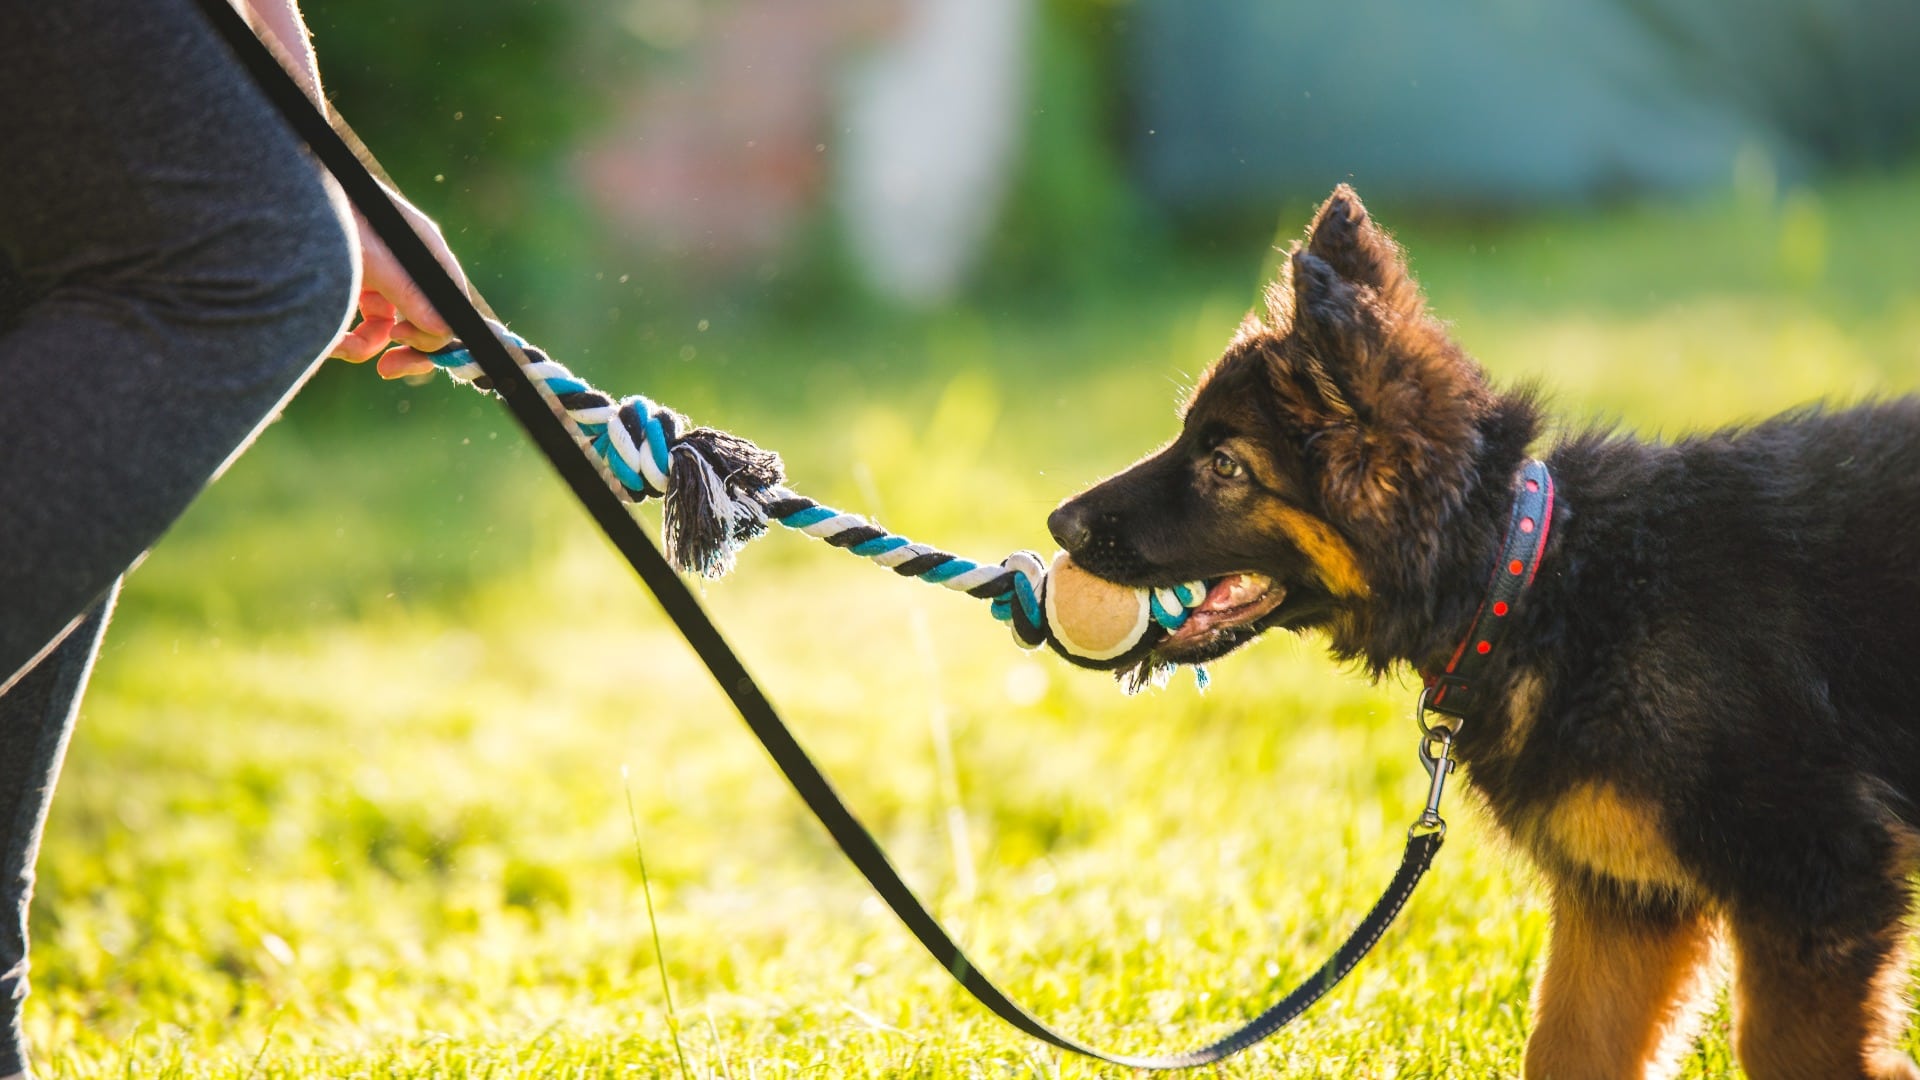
[1436, 756]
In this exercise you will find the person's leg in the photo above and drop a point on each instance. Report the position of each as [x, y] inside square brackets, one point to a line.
[184, 265]
[36, 717]
[173, 265]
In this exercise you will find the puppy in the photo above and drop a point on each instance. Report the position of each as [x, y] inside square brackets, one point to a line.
[1703, 714]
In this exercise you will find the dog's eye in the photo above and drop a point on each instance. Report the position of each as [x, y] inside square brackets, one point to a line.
[1224, 466]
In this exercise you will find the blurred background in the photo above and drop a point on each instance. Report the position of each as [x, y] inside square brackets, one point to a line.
[768, 156]
[348, 795]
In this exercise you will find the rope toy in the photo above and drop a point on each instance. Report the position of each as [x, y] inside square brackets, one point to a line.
[720, 491]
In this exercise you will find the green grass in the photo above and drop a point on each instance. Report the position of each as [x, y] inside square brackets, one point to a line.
[346, 798]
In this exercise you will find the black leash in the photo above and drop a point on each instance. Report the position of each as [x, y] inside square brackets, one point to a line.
[549, 432]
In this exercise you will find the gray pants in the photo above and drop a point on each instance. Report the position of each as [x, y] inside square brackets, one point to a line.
[171, 266]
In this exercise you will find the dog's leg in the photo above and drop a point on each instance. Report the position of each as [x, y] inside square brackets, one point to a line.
[1621, 992]
[1811, 1008]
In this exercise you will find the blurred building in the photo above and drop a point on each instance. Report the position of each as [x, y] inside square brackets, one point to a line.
[722, 154]
[717, 154]
[1491, 102]
[931, 121]
[897, 124]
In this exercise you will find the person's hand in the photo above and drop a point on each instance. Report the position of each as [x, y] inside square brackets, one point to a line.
[393, 311]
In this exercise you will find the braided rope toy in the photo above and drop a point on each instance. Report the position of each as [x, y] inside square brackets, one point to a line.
[719, 491]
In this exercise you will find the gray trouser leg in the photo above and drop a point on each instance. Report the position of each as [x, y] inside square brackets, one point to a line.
[185, 266]
[171, 265]
[36, 717]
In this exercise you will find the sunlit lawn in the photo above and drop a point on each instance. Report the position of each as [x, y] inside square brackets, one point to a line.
[348, 797]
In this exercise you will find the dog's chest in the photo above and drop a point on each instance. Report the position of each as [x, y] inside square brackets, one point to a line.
[1588, 827]
[1597, 830]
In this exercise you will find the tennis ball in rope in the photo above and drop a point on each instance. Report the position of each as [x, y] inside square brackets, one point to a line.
[1092, 618]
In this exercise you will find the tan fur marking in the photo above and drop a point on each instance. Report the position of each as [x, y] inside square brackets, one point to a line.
[1619, 998]
[1523, 708]
[1793, 1019]
[1887, 1018]
[1338, 567]
[1887, 1005]
[1328, 390]
[1597, 827]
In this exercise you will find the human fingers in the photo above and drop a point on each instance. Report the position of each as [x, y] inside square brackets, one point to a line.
[419, 337]
[401, 361]
[370, 335]
[381, 273]
[420, 325]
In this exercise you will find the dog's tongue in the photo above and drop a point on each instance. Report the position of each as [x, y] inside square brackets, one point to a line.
[1234, 591]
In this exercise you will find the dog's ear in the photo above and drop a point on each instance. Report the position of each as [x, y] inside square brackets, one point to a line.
[1347, 283]
[1387, 402]
[1328, 313]
[1358, 249]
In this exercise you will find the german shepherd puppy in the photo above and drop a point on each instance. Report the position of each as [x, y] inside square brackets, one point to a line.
[1705, 716]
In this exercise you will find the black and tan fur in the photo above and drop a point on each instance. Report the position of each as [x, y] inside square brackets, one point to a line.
[1709, 719]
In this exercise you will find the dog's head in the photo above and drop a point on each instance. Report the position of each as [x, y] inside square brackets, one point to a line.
[1319, 459]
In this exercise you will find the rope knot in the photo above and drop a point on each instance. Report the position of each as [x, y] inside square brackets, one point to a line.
[710, 482]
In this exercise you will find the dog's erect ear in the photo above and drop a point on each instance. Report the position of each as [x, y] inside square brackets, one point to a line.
[1359, 250]
[1388, 401]
[1324, 309]
[1348, 279]
[1330, 322]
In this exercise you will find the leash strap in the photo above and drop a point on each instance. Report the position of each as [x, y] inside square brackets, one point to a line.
[540, 416]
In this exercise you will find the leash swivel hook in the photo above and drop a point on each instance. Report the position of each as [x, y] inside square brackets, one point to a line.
[1436, 756]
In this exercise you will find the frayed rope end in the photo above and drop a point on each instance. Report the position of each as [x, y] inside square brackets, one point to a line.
[711, 509]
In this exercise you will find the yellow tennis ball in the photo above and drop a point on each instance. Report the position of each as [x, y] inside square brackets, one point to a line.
[1092, 617]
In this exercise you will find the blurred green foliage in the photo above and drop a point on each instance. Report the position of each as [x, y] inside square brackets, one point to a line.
[473, 108]
[445, 86]
[1073, 223]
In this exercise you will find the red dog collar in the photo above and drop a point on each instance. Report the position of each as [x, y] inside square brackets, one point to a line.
[1452, 690]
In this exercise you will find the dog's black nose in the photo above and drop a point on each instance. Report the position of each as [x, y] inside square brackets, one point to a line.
[1071, 525]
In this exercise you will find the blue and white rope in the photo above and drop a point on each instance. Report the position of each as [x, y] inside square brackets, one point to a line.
[637, 439]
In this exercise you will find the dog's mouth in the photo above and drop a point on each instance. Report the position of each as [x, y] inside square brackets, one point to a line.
[1233, 603]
